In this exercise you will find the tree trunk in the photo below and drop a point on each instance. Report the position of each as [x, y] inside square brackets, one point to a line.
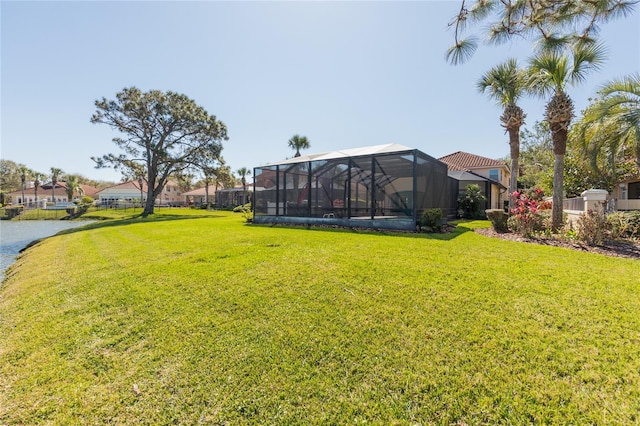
[514, 148]
[559, 136]
[558, 192]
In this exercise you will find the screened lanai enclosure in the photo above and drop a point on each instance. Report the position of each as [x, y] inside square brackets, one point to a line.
[385, 186]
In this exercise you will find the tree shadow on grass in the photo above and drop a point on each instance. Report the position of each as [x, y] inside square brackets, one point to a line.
[458, 228]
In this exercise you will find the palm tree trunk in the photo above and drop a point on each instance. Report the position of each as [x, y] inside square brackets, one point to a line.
[558, 192]
[559, 136]
[514, 148]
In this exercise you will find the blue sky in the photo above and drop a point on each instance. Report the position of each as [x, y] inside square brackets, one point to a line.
[344, 74]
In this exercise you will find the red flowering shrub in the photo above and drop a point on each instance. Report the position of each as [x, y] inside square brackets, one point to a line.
[525, 217]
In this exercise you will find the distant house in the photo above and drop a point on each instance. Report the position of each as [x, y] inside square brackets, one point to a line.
[44, 194]
[132, 192]
[491, 175]
[199, 196]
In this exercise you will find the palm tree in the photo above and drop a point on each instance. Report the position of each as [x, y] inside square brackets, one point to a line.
[506, 83]
[298, 142]
[73, 186]
[23, 178]
[37, 176]
[617, 114]
[552, 72]
[55, 173]
[243, 171]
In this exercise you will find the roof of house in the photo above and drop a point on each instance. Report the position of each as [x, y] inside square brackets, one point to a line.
[463, 161]
[133, 184]
[200, 191]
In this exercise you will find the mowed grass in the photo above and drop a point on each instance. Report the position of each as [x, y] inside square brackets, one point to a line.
[207, 320]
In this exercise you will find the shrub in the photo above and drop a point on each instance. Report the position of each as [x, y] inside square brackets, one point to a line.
[242, 209]
[498, 218]
[592, 227]
[431, 219]
[624, 224]
[470, 202]
[525, 219]
[86, 200]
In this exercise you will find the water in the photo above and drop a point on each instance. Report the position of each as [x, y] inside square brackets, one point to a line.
[16, 235]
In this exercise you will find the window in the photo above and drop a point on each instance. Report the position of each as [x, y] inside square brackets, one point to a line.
[494, 174]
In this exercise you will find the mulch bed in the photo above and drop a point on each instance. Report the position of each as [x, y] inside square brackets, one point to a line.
[628, 249]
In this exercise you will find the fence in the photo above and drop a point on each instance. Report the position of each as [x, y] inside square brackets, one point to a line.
[573, 204]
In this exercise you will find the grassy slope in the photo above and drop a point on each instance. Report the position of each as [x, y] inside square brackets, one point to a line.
[213, 321]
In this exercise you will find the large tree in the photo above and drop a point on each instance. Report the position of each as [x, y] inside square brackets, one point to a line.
[298, 142]
[550, 73]
[10, 175]
[506, 83]
[552, 24]
[165, 132]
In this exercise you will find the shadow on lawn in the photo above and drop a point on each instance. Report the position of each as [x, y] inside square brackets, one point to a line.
[454, 232]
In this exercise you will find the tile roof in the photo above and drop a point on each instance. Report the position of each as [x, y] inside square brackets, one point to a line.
[462, 161]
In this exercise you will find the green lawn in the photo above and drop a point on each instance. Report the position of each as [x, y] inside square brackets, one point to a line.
[206, 320]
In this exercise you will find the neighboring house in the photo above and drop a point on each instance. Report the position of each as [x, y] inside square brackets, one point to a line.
[627, 194]
[491, 175]
[199, 196]
[131, 191]
[44, 194]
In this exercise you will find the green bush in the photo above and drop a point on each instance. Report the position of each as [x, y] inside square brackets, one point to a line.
[242, 209]
[470, 202]
[431, 220]
[624, 224]
[592, 228]
[87, 200]
[498, 218]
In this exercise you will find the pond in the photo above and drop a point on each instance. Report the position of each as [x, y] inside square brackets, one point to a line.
[16, 235]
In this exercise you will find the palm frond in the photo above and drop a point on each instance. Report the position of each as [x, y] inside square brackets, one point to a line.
[552, 43]
[462, 51]
[587, 57]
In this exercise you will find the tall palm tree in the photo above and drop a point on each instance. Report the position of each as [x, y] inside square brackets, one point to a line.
[618, 111]
[298, 142]
[36, 183]
[24, 171]
[550, 73]
[243, 172]
[506, 83]
[55, 173]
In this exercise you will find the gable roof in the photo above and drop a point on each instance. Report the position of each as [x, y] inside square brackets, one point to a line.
[463, 161]
[133, 184]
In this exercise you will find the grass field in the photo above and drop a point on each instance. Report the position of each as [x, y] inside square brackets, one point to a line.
[206, 320]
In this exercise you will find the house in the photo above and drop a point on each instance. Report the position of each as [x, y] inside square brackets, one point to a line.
[134, 191]
[491, 175]
[43, 196]
[199, 196]
[382, 186]
[627, 193]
